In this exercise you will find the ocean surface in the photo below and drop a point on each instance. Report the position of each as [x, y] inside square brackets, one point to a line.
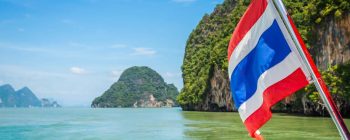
[151, 124]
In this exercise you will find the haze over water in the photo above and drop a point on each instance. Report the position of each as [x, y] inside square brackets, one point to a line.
[151, 124]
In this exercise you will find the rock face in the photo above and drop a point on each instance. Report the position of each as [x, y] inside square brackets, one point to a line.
[332, 42]
[138, 87]
[21, 98]
[218, 97]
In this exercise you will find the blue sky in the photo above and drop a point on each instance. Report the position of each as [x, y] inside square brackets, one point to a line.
[73, 50]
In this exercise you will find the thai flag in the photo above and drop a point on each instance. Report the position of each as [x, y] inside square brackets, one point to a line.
[264, 64]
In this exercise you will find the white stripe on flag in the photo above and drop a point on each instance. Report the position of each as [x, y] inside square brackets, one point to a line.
[249, 41]
[267, 79]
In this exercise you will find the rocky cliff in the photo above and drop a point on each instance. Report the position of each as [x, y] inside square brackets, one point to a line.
[138, 87]
[204, 66]
[331, 43]
[324, 25]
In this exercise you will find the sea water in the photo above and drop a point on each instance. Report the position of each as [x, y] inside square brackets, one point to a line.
[150, 124]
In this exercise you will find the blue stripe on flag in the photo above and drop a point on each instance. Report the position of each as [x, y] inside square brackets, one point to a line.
[271, 49]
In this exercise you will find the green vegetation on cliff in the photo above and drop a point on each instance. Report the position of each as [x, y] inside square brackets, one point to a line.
[308, 101]
[306, 14]
[338, 80]
[206, 46]
[136, 85]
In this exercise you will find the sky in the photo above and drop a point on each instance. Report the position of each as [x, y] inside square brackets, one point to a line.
[74, 50]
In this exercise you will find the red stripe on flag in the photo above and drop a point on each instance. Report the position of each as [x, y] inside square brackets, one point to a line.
[271, 96]
[250, 17]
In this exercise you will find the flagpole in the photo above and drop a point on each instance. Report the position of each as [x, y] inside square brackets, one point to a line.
[316, 76]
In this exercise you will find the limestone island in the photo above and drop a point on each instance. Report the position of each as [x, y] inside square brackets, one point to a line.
[138, 86]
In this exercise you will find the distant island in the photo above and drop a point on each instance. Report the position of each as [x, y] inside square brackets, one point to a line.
[23, 97]
[138, 87]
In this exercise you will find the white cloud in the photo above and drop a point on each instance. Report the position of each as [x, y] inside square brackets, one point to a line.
[1, 82]
[184, 1]
[144, 51]
[77, 70]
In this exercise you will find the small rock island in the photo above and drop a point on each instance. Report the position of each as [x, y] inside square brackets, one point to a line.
[138, 86]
